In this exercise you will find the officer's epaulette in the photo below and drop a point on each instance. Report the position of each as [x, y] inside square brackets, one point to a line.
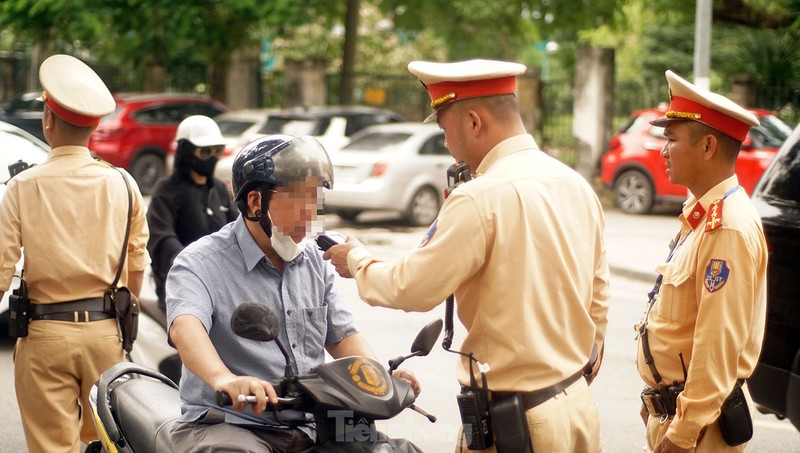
[714, 218]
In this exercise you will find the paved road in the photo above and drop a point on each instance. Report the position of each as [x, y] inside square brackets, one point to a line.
[635, 245]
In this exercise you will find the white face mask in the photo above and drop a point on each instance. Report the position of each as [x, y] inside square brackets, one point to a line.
[284, 245]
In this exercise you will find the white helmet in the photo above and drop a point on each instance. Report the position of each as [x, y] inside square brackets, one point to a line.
[200, 131]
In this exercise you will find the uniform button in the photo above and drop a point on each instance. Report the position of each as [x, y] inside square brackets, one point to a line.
[294, 345]
[288, 312]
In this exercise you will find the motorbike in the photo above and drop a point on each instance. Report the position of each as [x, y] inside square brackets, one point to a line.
[134, 407]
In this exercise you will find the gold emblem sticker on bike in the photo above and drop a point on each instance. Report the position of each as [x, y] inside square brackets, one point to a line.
[368, 377]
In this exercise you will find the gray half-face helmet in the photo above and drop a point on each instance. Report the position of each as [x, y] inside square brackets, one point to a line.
[277, 160]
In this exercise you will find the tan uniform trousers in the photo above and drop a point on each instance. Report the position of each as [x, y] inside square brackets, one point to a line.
[55, 367]
[567, 423]
[710, 439]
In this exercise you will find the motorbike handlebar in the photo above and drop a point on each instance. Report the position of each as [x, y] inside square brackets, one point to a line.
[223, 399]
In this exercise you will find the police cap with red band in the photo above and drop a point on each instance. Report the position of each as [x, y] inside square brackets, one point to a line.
[688, 102]
[451, 82]
[74, 92]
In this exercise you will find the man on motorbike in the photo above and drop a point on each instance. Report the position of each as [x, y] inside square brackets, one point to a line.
[262, 256]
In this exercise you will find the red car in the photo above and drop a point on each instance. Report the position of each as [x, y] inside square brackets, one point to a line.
[634, 168]
[137, 135]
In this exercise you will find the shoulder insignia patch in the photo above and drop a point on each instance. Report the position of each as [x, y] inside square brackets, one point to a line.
[716, 275]
[429, 234]
[714, 218]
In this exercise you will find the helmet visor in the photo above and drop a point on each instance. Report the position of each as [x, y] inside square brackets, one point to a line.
[304, 158]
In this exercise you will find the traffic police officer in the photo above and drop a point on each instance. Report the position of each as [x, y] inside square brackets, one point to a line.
[69, 214]
[521, 246]
[701, 335]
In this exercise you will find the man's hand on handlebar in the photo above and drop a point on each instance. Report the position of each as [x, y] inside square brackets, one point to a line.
[408, 376]
[248, 385]
[337, 255]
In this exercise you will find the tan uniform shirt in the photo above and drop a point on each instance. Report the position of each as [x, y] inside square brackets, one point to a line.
[521, 246]
[711, 307]
[69, 213]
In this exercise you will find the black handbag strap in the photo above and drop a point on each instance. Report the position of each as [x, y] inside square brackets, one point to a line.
[124, 252]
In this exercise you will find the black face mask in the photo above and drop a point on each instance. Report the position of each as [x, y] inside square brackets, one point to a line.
[204, 167]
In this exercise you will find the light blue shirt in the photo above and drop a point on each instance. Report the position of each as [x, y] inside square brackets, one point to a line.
[216, 273]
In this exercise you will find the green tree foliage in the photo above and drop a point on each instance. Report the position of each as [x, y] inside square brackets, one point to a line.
[502, 29]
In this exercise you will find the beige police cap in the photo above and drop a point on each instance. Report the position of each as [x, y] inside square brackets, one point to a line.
[73, 91]
[450, 82]
[688, 102]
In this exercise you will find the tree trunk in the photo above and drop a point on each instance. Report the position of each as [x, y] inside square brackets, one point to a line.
[346, 83]
[219, 79]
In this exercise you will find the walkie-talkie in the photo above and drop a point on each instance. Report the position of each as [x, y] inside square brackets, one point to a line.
[457, 174]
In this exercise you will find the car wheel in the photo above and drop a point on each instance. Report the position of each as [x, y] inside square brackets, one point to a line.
[348, 214]
[147, 169]
[423, 208]
[634, 192]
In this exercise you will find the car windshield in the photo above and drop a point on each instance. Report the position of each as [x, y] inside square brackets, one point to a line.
[16, 147]
[377, 142]
[231, 128]
[771, 133]
[781, 181]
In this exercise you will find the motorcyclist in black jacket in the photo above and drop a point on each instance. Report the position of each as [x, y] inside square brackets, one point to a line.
[190, 203]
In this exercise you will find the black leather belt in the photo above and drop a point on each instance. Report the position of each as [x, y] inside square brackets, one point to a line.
[84, 310]
[537, 397]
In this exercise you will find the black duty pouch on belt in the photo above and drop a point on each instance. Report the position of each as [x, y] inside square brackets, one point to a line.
[734, 418]
[510, 425]
[19, 311]
[124, 304]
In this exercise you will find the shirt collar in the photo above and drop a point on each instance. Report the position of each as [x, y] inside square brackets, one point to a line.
[694, 210]
[69, 150]
[504, 148]
[247, 245]
[251, 251]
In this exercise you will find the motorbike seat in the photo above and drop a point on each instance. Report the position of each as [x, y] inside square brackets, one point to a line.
[146, 410]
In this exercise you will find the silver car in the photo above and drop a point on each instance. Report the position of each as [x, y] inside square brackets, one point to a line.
[398, 167]
[16, 145]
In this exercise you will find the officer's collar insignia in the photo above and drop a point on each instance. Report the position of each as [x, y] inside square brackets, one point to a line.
[716, 275]
[696, 216]
[429, 234]
[714, 219]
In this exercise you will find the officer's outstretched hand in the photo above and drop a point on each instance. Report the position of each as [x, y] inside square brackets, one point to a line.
[337, 255]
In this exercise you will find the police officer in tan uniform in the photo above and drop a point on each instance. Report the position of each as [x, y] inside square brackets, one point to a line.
[69, 213]
[520, 245]
[701, 335]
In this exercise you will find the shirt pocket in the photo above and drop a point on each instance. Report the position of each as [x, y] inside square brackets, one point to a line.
[676, 293]
[315, 330]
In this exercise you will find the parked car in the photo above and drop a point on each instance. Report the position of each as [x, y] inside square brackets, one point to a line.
[16, 145]
[634, 169]
[240, 127]
[331, 125]
[775, 384]
[398, 167]
[25, 112]
[138, 134]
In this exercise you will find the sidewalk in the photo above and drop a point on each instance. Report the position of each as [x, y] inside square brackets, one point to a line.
[636, 244]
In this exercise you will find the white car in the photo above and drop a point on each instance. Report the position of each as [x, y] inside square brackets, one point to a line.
[240, 127]
[398, 167]
[16, 145]
[333, 126]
